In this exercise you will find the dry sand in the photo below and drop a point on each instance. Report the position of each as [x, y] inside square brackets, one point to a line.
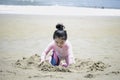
[95, 40]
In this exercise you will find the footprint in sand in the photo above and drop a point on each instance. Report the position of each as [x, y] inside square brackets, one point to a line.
[89, 76]
[11, 72]
[113, 72]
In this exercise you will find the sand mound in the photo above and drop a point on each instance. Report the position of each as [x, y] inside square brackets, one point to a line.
[48, 67]
[81, 65]
[33, 62]
[97, 66]
[28, 63]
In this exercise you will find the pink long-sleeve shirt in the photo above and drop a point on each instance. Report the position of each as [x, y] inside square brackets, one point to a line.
[62, 53]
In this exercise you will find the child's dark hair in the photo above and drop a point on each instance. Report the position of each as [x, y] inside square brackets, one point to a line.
[60, 32]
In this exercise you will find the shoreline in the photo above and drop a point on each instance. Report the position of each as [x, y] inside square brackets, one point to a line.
[58, 10]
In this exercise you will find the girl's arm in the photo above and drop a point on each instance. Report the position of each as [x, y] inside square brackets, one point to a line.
[70, 58]
[70, 55]
[46, 51]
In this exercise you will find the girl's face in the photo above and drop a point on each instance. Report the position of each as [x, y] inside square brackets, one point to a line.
[60, 42]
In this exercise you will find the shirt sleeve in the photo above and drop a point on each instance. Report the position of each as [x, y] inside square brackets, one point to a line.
[46, 51]
[70, 54]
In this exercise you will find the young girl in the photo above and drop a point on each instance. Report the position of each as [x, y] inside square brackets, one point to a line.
[61, 47]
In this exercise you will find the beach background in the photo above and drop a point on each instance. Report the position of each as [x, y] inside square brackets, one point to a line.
[25, 31]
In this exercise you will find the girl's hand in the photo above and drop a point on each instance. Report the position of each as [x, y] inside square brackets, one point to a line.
[41, 63]
[64, 65]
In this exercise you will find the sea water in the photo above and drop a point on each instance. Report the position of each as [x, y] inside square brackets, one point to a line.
[114, 4]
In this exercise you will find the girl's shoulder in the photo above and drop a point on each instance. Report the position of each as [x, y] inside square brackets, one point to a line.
[68, 43]
[51, 44]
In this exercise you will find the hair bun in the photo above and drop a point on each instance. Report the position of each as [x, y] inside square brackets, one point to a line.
[60, 26]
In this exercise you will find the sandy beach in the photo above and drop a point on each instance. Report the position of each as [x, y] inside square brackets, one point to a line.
[95, 39]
